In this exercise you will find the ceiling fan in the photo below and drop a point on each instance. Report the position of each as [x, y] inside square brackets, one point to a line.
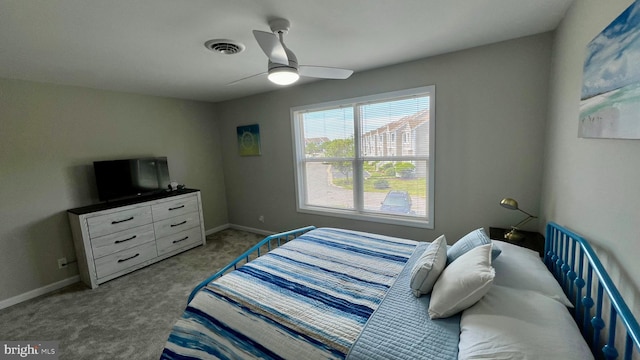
[283, 67]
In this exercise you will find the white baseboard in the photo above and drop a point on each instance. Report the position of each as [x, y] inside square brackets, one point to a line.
[238, 227]
[39, 291]
[217, 229]
[250, 229]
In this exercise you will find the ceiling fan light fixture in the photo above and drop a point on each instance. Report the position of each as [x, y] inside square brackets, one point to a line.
[283, 75]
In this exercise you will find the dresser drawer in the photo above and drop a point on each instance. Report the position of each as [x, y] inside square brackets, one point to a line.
[173, 208]
[125, 259]
[118, 221]
[180, 240]
[176, 224]
[122, 240]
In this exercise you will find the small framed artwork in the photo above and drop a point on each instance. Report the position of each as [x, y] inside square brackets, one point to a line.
[249, 140]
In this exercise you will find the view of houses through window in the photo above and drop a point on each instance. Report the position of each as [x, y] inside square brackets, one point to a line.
[366, 158]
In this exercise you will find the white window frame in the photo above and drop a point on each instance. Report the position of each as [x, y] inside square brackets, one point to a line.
[300, 161]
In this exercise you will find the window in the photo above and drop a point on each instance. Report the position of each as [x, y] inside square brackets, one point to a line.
[349, 164]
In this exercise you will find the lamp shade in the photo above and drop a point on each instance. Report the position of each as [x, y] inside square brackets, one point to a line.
[283, 75]
[509, 203]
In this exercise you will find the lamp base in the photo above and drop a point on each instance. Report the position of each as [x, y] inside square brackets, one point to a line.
[514, 235]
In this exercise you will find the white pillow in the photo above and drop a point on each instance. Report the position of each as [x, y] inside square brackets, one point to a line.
[462, 283]
[512, 323]
[521, 268]
[428, 267]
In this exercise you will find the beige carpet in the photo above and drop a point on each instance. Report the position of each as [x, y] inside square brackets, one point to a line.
[126, 318]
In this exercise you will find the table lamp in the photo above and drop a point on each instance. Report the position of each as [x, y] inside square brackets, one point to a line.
[514, 234]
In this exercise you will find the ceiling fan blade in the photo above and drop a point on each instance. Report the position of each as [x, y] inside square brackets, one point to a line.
[246, 78]
[324, 72]
[271, 46]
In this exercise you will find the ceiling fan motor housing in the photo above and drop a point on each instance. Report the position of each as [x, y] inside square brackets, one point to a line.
[280, 26]
[293, 61]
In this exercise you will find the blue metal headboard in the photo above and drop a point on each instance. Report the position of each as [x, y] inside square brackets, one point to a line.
[565, 253]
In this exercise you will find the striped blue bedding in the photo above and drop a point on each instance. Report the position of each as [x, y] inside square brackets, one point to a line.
[308, 299]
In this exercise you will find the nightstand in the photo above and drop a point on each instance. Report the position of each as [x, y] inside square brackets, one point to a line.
[532, 240]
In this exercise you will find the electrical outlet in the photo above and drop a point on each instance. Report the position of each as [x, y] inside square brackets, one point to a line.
[62, 263]
[261, 218]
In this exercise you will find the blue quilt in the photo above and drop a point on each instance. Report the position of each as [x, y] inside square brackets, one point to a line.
[308, 299]
[401, 328]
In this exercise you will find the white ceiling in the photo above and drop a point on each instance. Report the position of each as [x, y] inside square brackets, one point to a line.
[156, 47]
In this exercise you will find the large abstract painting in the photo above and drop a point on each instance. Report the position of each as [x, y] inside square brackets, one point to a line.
[610, 101]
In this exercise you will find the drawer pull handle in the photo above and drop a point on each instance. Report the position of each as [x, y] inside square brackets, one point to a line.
[121, 221]
[176, 208]
[178, 224]
[129, 258]
[183, 239]
[121, 241]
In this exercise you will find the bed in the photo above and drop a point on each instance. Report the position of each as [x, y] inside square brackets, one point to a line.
[330, 293]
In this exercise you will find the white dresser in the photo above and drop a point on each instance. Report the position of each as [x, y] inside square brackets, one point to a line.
[114, 239]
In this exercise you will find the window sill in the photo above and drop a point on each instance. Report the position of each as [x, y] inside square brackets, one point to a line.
[402, 221]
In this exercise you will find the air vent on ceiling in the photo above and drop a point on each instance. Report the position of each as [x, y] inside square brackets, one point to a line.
[224, 46]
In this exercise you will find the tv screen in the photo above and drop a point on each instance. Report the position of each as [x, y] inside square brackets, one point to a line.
[117, 179]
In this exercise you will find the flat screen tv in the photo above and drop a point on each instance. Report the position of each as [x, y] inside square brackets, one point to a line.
[119, 179]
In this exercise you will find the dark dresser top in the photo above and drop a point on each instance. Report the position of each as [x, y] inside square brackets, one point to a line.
[129, 201]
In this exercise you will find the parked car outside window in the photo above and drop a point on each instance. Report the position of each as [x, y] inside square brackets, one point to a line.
[397, 201]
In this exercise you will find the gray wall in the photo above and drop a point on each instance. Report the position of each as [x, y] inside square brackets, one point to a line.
[49, 137]
[491, 104]
[591, 185]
